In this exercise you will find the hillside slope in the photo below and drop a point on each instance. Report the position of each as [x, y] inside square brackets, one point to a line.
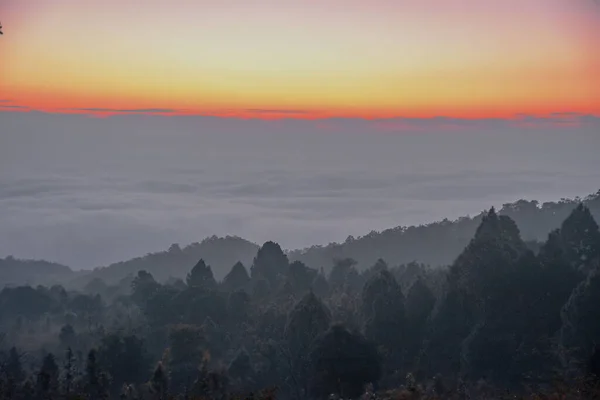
[15, 272]
[439, 243]
[220, 253]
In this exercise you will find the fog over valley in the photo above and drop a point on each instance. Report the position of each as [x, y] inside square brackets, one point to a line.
[87, 192]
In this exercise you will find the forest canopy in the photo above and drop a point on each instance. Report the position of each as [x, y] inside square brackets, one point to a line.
[503, 315]
[435, 244]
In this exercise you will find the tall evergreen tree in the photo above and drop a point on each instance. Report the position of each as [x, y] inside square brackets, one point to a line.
[308, 319]
[201, 276]
[384, 316]
[69, 371]
[270, 263]
[159, 382]
[343, 362]
[48, 378]
[237, 278]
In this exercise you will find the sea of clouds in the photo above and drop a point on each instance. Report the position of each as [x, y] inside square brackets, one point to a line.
[89, 191]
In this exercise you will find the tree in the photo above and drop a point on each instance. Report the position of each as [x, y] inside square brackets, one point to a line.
[593, 365]
[343, 275]
[237, 278]
[186, 346]
[125, 359]
[24, 302]
[419, 304]
[383, 313]
[343, 362]
[380, 265]
[300, 277]
[159, 383]
[238, 307]
[270, 262]
[210, 384]
[95, 286]
[320, 286]
[261, 289]
[581, 238]
[69, 372]
[96, 381]
[201, 276]
[581, 327]
[14, 367]
[143, 287]
[308, 319]
[11, 373]
[67, 336]
[241, 372]
[47, 378]
[478, 290]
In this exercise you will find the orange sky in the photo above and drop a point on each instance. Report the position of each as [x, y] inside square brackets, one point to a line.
[303, 58]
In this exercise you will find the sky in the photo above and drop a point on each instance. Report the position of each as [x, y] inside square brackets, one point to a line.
[302, 58]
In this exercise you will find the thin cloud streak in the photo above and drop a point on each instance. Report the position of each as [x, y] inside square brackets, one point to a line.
[276, 111]
[13, 106]
[134, 110]
[325, 123]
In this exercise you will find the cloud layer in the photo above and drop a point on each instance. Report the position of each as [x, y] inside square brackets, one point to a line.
[87, 192]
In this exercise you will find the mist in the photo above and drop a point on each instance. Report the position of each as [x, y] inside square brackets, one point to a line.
[87, 191]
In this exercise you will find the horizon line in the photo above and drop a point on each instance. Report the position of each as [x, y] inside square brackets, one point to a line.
[6, 106]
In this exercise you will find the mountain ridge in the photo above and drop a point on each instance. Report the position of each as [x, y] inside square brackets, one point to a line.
[437, 244]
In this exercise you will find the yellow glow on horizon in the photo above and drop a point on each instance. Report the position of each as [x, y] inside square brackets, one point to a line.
[393, 61]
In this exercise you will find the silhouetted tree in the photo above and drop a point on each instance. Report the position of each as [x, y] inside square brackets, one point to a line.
[143, 287]
[300, 277]
[241, 372]
[67, 336]
[14, 367]
[269, 264]
[238, 307]
[159, 383]
[237, 278]
[581, 238]
[384, 316]
[344, 275]
[343, 363]
[418, 305]
[69, 371]
[308, 319]
[125, 359]
[320, 286]
[186, 345]
[95, 380]
[201, 276]
[47, 378]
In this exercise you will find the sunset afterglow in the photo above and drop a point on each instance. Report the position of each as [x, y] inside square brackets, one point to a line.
[302, 58]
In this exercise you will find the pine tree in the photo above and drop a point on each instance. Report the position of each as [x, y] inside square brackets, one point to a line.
[160, 382]
[14, 368]
[96, 382]
[201, 276]
[47, 378]
[237, 278]
[69, 372]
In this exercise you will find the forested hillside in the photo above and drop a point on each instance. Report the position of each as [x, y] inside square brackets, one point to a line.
[176, 261]
[439, 243]
[501, 320]
[435, 244]
[32, 272]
